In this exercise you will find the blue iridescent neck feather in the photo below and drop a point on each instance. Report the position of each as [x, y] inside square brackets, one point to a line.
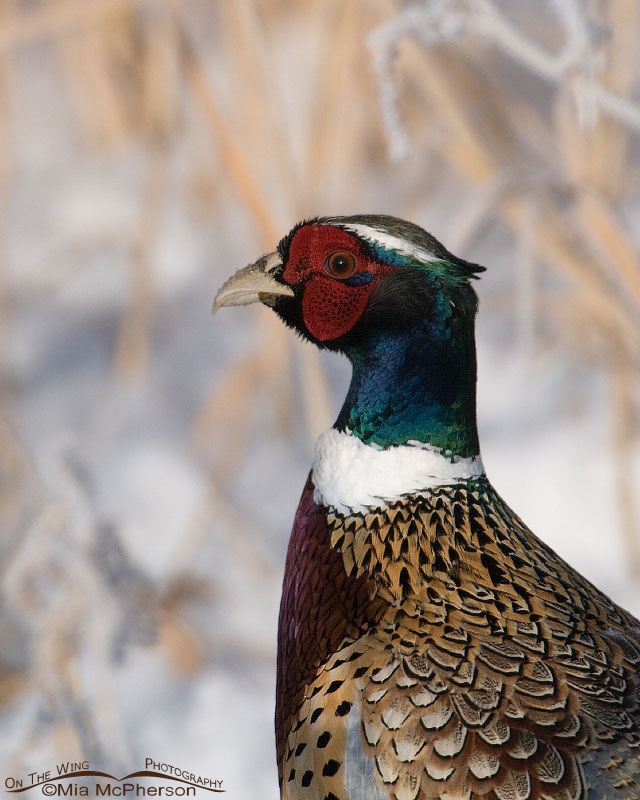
[417, 381]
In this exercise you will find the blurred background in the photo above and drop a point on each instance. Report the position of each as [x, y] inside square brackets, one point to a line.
[151, 456]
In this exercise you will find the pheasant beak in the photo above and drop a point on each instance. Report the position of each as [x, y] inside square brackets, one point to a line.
[253, 284]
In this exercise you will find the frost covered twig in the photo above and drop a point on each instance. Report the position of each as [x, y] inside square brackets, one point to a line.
[577, 64]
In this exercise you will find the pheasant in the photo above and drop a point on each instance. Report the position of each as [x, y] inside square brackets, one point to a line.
[430, 645]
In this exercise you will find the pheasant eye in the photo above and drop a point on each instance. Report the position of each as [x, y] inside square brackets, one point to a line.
[340, 264]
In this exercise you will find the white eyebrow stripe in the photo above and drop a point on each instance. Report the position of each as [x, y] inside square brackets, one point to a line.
[390, 242]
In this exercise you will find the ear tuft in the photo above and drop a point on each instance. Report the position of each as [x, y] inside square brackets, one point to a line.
[457, 271]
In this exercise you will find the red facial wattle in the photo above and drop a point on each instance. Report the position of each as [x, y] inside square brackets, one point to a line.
[330, 306]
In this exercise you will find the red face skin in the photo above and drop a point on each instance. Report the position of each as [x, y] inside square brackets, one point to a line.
[330, 307]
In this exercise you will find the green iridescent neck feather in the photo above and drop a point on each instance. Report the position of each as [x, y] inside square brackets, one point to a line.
[417, 382]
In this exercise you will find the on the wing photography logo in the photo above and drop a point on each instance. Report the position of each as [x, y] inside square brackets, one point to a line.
[78, 779]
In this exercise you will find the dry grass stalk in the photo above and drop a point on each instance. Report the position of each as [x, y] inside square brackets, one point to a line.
[625, 437]
[603, 227]
[7, 154]
[182, 644]
[560, 249]
[121, 62]
[604, 166]
[59, 19]
[233, 157]
[134, 338]
[160, 74]
[607, 163]
[335, 128]
[18, 487]
[100, 102]
[464, 148]
[182, 641]
[17, 479]
[233, 400]
[259, 115]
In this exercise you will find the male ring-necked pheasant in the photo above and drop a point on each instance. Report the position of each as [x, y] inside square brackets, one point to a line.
[430, 646]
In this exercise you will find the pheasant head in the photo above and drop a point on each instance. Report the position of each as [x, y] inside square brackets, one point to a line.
[399, 305]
